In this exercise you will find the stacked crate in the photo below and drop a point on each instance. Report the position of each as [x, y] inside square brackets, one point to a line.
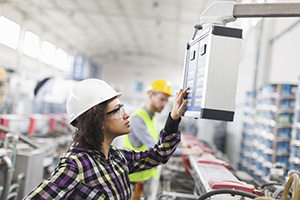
[275, 110]
[294, 159]
[247, 132]
[271, 131]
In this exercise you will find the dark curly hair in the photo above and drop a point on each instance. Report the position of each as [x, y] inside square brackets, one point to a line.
[89, 133]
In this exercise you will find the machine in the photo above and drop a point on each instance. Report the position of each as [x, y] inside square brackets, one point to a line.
[215, 178]
[30, 146]
[210, 71]
[212, 57]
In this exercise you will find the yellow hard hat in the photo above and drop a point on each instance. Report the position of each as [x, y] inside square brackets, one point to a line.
[2, 73]
[161, 86]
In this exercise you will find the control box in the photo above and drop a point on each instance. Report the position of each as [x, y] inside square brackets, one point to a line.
[211, 71]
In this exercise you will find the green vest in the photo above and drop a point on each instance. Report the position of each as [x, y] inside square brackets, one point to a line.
[152, 128]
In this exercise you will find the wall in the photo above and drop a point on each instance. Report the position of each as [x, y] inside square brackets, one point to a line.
[263, 61]
[285, 60]
[123, 73]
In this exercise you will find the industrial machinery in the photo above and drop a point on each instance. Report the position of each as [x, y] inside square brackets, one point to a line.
[211, 67]
[212, 57]
[215, 178]
[30, 146]
[212, 174]
[210, 72]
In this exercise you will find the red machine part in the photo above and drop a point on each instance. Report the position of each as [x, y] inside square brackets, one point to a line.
[230, 184]
[32, 126]
[53, 122]
[65, 119]
[5, 123]
[213, 161]
[50, 120]
[186, 164]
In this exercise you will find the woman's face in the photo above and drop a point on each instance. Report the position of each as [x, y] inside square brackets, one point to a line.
[117, 122]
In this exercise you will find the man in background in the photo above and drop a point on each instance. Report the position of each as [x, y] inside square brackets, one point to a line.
[50, 95]
[144, 133]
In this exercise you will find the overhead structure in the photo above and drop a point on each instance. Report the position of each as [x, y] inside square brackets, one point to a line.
[212, 57]
[225, 12]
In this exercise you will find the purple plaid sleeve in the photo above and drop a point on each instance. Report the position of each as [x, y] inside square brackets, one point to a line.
[159, 154]
[87, 174]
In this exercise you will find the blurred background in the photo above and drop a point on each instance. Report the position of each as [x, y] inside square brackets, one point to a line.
[48, 45]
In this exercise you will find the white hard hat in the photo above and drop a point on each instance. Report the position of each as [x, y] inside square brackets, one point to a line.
[86, 94]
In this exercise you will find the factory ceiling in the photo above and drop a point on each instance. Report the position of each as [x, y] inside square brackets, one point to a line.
[113, 29]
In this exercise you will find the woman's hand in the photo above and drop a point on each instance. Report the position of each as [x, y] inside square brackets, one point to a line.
[179, 104]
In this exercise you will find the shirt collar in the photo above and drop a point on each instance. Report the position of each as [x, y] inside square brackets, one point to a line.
[151, 116]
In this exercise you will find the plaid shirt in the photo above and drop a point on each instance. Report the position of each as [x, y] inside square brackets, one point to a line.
[87, 174]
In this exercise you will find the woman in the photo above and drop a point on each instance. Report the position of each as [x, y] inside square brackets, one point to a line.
[92, 168]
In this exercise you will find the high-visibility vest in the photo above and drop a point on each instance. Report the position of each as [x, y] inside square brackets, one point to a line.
[152, 128]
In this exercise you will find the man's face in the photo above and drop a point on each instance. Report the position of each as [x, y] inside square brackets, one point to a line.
[158, 101]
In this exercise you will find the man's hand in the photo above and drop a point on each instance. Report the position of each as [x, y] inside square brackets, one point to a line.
[192, 150]
[179, 104]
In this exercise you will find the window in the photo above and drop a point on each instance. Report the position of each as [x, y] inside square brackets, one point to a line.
[61, 59]
[10, 32]
[48, 53]
[69, 69]
[31, 44]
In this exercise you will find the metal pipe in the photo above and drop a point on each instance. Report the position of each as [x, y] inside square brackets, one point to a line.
[258, 53]
[8, 177]
[267, 10]
[21, 137]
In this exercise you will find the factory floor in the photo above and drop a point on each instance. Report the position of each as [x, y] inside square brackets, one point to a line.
[174, 182]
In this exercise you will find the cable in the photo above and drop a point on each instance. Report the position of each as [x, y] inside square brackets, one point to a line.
[269, 189]
[270, 184]
[227, 191]
[267, 192]
[278, 192]
[297, 195]
[294, 178]
[197, 27]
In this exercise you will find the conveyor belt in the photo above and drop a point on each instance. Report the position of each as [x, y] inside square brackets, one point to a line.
[211, 174]
[202, 173]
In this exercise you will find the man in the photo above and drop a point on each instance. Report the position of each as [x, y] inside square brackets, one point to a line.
[143, 121]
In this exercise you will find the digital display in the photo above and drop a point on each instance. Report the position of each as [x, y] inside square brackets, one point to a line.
[195, 69]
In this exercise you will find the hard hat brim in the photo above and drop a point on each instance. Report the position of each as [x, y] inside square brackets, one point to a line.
[91, 106]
